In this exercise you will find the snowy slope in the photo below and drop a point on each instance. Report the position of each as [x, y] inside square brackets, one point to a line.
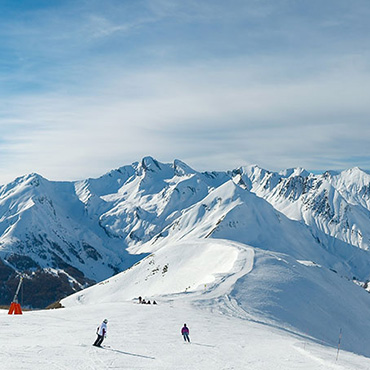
[297, 296]
[47, 235]
[176, 268]
[148, 337]
[230, 212]
[337, 204]
[46, 220]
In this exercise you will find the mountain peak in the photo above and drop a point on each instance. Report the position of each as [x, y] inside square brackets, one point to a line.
[182, 168]
[293, 172]
[150, 164]
[31, 179]
[356, 171]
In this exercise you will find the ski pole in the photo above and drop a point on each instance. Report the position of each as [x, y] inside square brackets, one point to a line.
[340, 338]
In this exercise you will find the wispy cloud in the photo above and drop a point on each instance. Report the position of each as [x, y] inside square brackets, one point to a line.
[90, 88]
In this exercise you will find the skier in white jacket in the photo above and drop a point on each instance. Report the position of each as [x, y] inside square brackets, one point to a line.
[102, 333]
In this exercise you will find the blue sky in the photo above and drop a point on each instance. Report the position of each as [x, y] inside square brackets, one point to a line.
[87, 86]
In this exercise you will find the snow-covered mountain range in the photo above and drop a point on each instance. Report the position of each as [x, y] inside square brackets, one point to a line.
[64, 236]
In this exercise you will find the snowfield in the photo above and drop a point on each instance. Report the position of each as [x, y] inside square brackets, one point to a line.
[148, 337]
[246, 308]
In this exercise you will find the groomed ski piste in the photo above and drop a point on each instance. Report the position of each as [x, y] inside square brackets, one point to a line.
[246, 308]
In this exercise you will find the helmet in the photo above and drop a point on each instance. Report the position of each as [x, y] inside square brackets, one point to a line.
[105, 320]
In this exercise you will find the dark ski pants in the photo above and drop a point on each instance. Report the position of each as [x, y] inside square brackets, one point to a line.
[186, 337]
[99, 340]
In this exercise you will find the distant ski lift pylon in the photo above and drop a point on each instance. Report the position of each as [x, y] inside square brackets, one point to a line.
[15, 307]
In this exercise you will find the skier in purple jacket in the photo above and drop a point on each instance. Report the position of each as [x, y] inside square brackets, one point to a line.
[185, 333]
